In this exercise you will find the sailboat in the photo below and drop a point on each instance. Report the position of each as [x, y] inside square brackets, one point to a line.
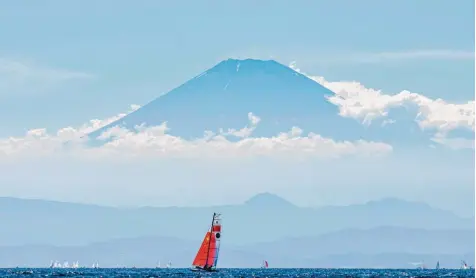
[207, 256]
[464, 265]
[421, 265]
[265, 264]
[169, 264]
[437, 265]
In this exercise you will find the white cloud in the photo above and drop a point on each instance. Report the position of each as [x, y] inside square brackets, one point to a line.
[356, 101]
[20, 77]
[247, 130]
[154, 141]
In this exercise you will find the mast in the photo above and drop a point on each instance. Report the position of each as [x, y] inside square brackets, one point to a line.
[209, 240]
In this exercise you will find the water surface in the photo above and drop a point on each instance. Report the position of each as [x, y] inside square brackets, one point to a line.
[236, 272]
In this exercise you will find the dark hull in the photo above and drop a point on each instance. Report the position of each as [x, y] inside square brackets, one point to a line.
[200, 269]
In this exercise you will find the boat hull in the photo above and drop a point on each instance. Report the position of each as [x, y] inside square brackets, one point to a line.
[200, 269]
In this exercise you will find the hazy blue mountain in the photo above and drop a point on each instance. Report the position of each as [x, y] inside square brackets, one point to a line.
[48, 222]
[378, 240]
[268, 201]
[222, 96]
[379, 247]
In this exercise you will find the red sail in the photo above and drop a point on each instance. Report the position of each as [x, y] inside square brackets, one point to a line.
[208, 247]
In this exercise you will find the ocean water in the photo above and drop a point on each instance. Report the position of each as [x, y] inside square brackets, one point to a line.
[255, 273]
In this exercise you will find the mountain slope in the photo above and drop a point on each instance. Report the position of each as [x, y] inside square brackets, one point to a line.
[222, 97]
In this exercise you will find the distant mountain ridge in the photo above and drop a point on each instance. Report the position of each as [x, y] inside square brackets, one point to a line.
[379, 240]
[75, 224]
[391, 247]
[268, 200]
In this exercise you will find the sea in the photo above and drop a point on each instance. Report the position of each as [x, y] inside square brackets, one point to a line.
[236, 272]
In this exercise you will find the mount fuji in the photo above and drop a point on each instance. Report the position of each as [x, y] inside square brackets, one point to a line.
[236, 92]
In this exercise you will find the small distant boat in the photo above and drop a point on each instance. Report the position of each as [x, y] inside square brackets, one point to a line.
[169, 264]
[437, 265]
[55, 264]
[207, 256]
[421, 265]
[464, 265]
[265, 264]
[158, 265]
[95, 265]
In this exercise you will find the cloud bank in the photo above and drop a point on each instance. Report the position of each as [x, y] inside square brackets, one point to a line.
[356, 101]
[154, 141]
[353, 99]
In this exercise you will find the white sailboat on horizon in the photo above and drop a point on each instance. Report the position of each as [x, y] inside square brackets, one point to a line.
[419, 265]
[55, 264]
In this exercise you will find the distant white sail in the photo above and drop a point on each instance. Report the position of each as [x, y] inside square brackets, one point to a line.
[420, 265]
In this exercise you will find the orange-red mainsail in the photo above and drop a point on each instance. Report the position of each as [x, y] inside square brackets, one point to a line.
[207, 255]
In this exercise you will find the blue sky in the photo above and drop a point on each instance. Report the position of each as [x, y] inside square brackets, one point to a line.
[63, 63]
[137, 51]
